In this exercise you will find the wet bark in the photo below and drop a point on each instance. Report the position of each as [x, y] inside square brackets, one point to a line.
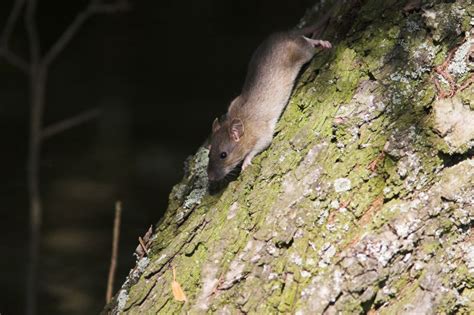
[364, 201]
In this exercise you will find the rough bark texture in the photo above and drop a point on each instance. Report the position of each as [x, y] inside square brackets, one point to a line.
[364, 201]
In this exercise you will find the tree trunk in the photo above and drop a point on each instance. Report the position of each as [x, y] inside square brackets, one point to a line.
[363, 203]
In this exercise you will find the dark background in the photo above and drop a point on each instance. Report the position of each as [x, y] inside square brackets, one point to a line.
[160, 72]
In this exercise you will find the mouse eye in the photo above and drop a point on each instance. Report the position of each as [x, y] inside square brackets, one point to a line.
[223, 155]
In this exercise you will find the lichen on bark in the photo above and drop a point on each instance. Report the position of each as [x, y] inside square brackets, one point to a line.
[362, 202]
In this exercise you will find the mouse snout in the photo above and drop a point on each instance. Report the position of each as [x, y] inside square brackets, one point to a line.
[213, 175]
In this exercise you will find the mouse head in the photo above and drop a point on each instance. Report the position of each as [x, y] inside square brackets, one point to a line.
[225, 151]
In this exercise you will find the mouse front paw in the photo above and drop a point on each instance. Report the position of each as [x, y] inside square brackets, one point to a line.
[325, 44]
[318, 42]
[247, 162]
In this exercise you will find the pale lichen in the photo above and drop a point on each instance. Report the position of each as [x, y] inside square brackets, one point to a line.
[122, 299]
[342, 185]
[200, 181]
[453, 122]
[459, 64]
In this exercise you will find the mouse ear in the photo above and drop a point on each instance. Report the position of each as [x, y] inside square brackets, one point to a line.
[236, 129]
[216, 125]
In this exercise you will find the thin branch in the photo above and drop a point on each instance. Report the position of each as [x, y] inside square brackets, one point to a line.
[466, 83]
[37, 71]
[14, 59]
[32, 30]
[38, 78]
[69, 123]
[143, 245]
[115, 244]
[11, 22]
[7, 32]
[66, 37]
[94, 7]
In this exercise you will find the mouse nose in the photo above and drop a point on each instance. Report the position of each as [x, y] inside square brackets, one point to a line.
[211, 176]
[214, 175]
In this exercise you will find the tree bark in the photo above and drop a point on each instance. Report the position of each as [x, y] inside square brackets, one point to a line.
[363, 203]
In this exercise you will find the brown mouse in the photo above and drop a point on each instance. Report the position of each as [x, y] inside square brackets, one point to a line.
[247, 128]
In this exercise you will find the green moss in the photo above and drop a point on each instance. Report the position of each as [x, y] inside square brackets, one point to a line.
[387, 213]
[468, 306]
[258, 207]
[428, 95]
[467, 97]
[137, 294]
[431, 247]
[447, 304]
[463, 276]
[350, 305]
[401, 283]
[287, 299]
[403, 298]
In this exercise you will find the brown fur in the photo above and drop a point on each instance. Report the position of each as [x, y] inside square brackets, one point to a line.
[270, 78]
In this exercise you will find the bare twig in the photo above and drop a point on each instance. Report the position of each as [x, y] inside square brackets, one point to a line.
[143, 245]
[69, 123]
[11, 22]
[441, 70]
[38, 77]
[5, 51]
[94, 7]
[37, 98]
[14, 60]
[32, 30]
[66, 37]
[36, 67]
[115, 245]
[468, 82]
